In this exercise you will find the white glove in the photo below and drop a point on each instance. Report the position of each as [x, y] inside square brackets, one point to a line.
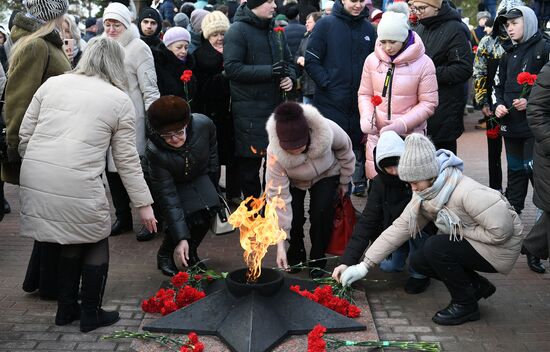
[354, 273]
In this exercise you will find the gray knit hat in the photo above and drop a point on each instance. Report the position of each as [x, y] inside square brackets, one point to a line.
[483, 14]
[418, 161]
[47, 10]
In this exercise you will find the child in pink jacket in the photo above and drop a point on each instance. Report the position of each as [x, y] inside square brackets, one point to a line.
[403, 77]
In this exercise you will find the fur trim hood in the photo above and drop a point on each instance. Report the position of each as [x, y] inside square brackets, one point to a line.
[127, 36]
[320, 136]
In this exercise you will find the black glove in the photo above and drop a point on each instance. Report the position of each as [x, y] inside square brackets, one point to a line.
[280, 70]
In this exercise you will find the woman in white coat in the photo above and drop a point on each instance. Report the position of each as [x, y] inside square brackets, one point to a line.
[142, 89]
[63, 144]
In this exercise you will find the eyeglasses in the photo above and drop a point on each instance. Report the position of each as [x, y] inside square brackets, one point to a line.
[419, 9]
[115, 26]
[177, 134]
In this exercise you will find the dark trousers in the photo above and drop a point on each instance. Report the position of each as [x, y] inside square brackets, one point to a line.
[232, 179]
[494, 149]
[537, 240]
[519, 154]
[121, 200]
[249, 171]
[453, 262]
[449, 145]
[321, 213]
[42, 270]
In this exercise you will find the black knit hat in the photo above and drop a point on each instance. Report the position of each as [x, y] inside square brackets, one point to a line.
[291, 126]
[168, 113]
[252, 4]
[149, 12]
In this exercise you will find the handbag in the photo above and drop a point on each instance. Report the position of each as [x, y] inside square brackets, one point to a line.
[220, 224]
[342, 226]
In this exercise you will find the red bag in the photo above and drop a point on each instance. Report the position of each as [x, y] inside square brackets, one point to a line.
[342, 226]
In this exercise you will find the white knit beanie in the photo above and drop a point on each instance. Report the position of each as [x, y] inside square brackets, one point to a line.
[117, 11]
[418, 161]
[47, 10]
[393, 26]
[214, 22]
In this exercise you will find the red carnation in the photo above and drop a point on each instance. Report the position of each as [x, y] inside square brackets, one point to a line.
[193, 337]
[198, 347]
[197, 277]
[315, 342]
[376, 100]
[526, 78]
[278, 30]
[186, 76]
[179, 279]
[493, 133]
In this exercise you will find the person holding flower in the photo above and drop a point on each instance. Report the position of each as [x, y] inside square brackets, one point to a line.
[480, 231]
[526, 54]
[399, 77]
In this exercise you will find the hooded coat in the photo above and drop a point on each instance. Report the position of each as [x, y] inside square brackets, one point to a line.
[63, 146]
[538, 111]
[411, 97]
[251, 47]
[447, 43]
[329, 154]
[529, 55]
[41, 59]
[488, 222]
[336, 52]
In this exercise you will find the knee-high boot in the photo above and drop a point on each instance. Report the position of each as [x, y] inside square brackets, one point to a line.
[68, 309]
[94, 279]
[165, 257]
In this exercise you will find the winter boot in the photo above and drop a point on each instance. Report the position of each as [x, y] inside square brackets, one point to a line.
[94, 278]
[68, 309]
[165, 257]
[296, 253]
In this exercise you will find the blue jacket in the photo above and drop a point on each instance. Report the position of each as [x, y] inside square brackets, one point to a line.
[166, 10]
[294, 34]
[336, 52]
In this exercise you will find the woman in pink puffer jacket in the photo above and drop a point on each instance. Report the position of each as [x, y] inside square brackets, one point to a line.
[401, 74]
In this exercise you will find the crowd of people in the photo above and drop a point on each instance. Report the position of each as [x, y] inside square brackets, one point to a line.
[331, 98]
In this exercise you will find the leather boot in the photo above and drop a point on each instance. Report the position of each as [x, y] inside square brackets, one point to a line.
[483, 288]
[121, 226]
[94, 278]
[165, 257]
[296, 254]
[5, 205]
[456, 314]
[533, 262]
[144, 234]
[68, 309]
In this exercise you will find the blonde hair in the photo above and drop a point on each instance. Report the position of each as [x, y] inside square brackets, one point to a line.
[104, 58]
[20, 47]
[73, 28]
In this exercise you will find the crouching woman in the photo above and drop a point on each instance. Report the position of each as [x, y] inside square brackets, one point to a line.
[306, 152]
[479, 230]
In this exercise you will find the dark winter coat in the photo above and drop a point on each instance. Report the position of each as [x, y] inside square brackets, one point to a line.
[538, 112]
[42, 58]
[529, 56]
[447, 42]
[308, 85]
[166, 10]
[250, 49]
[388, 196]
[337, 49]
[169, 70]
[213, 97]
[294, 33]
[181, 179]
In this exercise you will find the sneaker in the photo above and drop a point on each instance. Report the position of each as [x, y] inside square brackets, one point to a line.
[415, 286]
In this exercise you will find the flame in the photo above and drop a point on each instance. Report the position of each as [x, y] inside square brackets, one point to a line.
[258, 223]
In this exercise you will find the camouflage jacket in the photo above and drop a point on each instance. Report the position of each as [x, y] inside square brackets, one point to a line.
[489, 52]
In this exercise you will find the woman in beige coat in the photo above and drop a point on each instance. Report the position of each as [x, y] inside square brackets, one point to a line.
[306, 152]
[62, 145]
[480, 231]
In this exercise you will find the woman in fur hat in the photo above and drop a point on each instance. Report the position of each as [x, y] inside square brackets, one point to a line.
[306, 152]
[479, 230]
[181, 158]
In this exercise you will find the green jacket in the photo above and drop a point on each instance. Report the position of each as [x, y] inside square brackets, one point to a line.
[27, 73]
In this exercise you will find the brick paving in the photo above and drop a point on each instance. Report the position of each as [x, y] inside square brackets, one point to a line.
[514, 319]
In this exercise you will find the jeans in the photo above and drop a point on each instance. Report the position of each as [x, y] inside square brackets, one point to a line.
[453, 262]
[396, 262]
[519, 155]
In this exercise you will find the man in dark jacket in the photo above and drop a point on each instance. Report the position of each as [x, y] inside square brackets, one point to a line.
[294, 30]
[336, 52]
[447, 42]
[537, 241]
[258, 63]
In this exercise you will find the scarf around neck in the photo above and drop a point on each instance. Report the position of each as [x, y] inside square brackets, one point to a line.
[437, 197]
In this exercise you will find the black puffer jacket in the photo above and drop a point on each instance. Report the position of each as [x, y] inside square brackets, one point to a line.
[169, 70]
[250, 49]
[213, 97]
[529, 56]
[538, 112]
[447, 42]
[181, 179]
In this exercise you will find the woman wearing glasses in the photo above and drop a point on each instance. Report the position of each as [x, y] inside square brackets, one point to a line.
[447, 42]
[182, 159]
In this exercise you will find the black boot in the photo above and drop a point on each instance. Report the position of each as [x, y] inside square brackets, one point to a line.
[195, 260]
[5, 205]
[415, 285]
[144, 234]
[533, 262]
[94, 278]
[68, 309]
[165, 257]
[296, 254]
[456, 314]
[121, 226]
[483, 288]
